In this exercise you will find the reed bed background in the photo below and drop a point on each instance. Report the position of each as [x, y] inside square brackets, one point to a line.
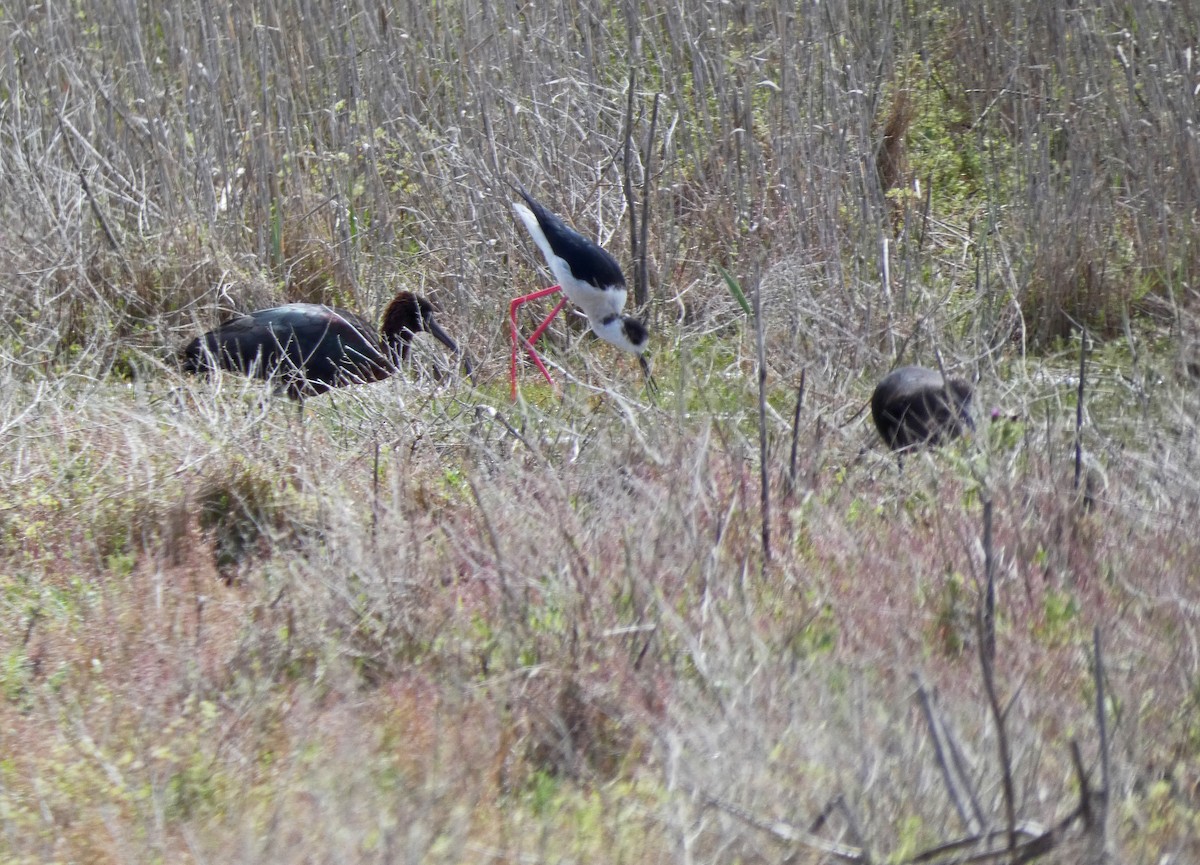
[419, 622]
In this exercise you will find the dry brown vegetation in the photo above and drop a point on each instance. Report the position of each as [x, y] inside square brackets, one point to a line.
[421, 623]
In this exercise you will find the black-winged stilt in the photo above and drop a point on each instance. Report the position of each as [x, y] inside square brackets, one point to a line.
[588, 276]
[311, 348]
[915, 405]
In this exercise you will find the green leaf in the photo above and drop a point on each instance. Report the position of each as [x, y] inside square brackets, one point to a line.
[735, 290]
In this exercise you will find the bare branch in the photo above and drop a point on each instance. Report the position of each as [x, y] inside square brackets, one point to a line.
[957, 786]
[785, 832]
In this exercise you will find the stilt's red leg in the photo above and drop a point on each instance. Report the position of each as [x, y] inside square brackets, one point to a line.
[533, 355]
[541, 328]
[516, 336]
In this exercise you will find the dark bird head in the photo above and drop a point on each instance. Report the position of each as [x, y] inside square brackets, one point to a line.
[637, 340]
[191, 356]
[198, 356]
[407, 315]
[959, 392]
[635, 333]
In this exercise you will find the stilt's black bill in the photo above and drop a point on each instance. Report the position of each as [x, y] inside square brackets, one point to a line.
[650, 383]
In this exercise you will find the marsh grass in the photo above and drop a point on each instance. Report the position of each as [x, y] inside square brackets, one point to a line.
[420, 621]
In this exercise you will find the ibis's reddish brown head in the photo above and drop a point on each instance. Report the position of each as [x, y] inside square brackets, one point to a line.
[407, 315]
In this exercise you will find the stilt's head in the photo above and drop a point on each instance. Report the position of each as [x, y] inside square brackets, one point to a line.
[628, 334]
[623, 331]
[407, 315]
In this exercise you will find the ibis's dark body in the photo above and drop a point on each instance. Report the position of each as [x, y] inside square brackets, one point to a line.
[310, 348]
[915, 405]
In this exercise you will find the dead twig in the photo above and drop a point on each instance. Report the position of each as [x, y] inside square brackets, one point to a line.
[1102, 731]
[987, 619]
[764, 478]
[641, 287]
[958, 787]
[94, 205]
[791, 485]
[627, 186]
[987, 661]
[788, 833]
[1083, 337]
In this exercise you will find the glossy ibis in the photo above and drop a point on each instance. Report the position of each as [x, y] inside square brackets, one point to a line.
[915, 405]
[310, 348]
[588, 276]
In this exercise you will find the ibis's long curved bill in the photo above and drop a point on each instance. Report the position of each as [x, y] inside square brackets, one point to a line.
[440, 335]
